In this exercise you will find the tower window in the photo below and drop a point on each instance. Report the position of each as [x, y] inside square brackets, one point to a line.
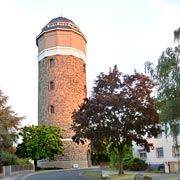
[85, 87]
[52, 85]
[84, 67]
[52, 109]
[51, 63]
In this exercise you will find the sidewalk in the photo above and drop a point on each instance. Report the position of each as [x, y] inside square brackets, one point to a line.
[16, 177]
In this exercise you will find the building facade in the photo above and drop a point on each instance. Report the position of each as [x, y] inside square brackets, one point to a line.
[62, 84]
[163, 155]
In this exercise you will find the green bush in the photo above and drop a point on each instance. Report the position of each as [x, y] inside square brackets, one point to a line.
[114, 156]
[114, 159]
[7, 158]
[135, 164]
[129, 162]
[23, 161]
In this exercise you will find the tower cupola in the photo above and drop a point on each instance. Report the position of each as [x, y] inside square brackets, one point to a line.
[61, 36]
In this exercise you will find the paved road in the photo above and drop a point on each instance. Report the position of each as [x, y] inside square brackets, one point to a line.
[75, 175]
[60, 175]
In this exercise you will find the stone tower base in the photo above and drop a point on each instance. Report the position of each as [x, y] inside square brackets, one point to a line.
[75, 156]
[63, 164]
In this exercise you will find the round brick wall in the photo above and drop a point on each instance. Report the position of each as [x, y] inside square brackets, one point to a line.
[69, 77]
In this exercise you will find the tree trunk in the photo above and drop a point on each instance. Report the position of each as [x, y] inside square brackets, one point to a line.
[121, 160]
[35, 164]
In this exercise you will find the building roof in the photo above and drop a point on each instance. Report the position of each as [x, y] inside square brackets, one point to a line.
[60, 19]
[61, 22]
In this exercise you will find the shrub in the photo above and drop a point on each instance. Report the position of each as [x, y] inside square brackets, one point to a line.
[135, 164]
[114, 156]
[114, 159]
[99, 156]
[23, 161]
[7, 158]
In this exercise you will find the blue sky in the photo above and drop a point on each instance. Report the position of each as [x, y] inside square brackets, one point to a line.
[122, 32]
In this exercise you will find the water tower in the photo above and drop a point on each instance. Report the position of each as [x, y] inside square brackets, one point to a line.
[62, 84]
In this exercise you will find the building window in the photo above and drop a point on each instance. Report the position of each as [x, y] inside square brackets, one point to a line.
[142, 154]
[52, 85]
[176, 151]
[51, 61]
[159, 152]
[52, 109]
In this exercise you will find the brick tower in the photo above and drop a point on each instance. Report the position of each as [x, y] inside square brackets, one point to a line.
[62, 84]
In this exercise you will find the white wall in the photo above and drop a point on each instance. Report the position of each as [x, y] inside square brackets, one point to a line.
[165, 143]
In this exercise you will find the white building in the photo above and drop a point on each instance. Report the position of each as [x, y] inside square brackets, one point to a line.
[163, 155]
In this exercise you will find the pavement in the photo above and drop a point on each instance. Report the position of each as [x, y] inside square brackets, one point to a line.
[16, 177]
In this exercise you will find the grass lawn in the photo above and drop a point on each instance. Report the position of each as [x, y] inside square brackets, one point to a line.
[114, 176]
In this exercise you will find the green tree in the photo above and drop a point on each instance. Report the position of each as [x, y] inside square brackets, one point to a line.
[100, 154]
[177, 34]
[114, 156]
[9, 124]
[166, 75]
[39, 142]
[120, 110]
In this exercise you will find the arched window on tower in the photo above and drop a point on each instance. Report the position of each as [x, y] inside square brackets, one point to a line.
[52, 109]
[51, 62]
[84, 68]
[51, 85]
[85, 88]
